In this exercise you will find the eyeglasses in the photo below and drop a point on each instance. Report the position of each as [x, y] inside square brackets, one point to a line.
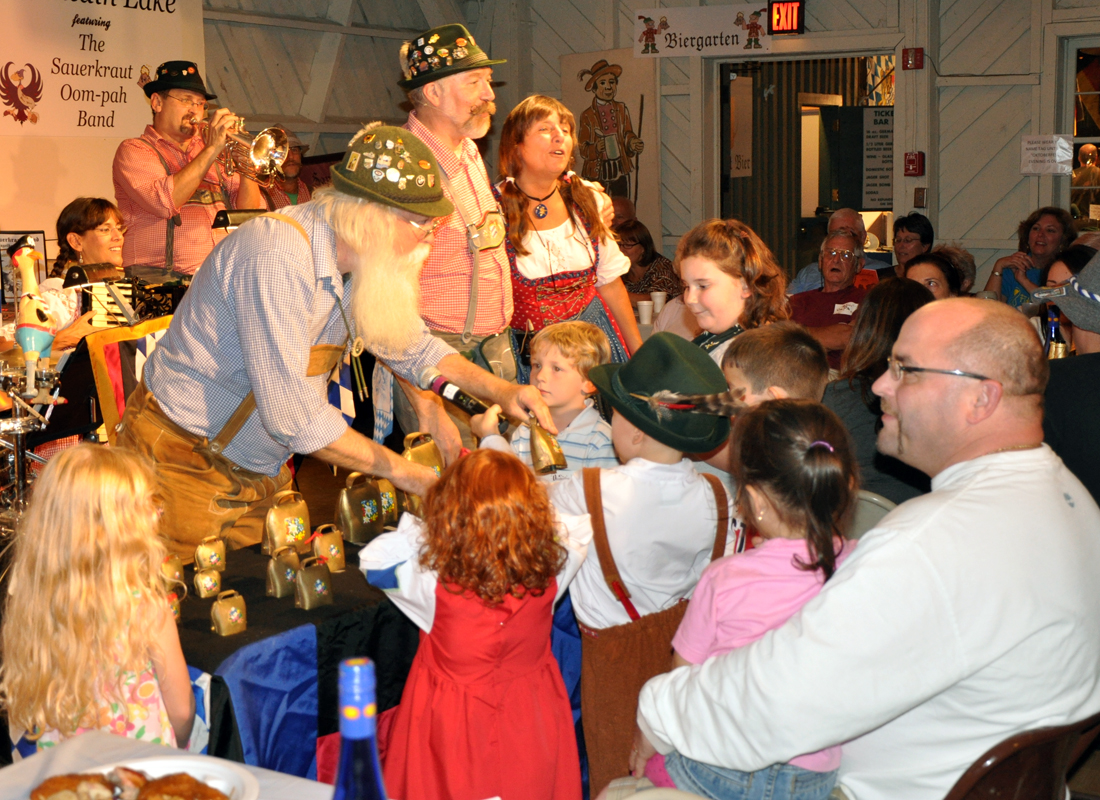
[107, 229]
[897, 369]
[906, 240]
[197, 104]
[425, 229]
[843, 255]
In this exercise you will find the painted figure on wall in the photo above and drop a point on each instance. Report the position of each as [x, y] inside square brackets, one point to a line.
[652, 30]
[606, 138]
[752, 28]
[19, 99]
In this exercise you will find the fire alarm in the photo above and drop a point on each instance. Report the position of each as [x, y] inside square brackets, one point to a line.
[914, 164]
[912, 58]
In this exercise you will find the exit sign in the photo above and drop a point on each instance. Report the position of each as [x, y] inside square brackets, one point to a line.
[786, 16]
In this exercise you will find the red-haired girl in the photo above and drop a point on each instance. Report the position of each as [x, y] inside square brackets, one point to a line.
[484, 712]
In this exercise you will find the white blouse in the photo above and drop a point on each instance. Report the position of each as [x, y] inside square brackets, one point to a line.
[392, 563]
[568, 248]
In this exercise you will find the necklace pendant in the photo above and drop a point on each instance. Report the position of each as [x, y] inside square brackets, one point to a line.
[540, 211]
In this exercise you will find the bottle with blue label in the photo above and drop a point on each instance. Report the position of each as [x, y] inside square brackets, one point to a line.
[360, 775]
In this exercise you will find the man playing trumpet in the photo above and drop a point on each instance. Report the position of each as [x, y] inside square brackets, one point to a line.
[168, 183]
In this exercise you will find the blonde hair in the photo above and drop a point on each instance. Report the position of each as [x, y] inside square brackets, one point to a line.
[85, 588]
[735, 249]
[581, 342]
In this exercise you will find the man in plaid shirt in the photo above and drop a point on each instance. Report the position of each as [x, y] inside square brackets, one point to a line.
[239, 382]
[168, 185]
[287, 190]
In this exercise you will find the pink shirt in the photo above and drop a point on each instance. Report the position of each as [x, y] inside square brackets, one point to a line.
[445, 278]
[143, 191]
[742, 597]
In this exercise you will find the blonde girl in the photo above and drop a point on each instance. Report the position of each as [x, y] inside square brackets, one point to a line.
[731, 282]
[89, 639]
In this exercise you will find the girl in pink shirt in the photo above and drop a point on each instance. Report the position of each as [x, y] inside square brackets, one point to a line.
[798, 479]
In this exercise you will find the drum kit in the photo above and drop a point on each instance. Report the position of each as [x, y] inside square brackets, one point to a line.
[27, 389]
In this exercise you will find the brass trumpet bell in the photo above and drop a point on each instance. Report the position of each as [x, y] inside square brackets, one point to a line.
[258, 157]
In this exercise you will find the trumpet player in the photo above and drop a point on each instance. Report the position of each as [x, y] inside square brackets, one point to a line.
[168, 183]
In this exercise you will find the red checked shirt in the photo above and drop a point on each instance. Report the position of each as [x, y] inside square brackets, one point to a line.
[143, 191]
[280, 199]
[445, 279]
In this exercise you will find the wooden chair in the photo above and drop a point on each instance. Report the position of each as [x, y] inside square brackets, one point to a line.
[1028, 766]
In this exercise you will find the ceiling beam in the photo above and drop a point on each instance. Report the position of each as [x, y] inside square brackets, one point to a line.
[299, 24]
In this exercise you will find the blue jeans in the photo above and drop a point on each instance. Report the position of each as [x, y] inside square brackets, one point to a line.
[777, 782]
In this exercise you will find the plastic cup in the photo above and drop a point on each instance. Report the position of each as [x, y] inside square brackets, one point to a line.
[645, 312]
[659, 299]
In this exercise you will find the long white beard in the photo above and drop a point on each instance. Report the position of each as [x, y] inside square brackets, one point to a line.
[386, 301]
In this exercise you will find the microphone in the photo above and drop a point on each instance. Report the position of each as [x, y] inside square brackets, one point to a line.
[432, 380]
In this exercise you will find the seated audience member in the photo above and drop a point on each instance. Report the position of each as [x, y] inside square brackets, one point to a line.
[89, 231]
[1045, 232]
[287, 189]
[913, 236]
[964, 265]
[829, 311]
[1067, 263]
[948, 629]
[677, 318]
[809, 277]
[483, 712]
[936, 273]
[797, 480]
[89, 640]
[1070, 423]
[732, 282]
[649, 270]
[656, 517]
[884, 311]
[622, 210]
[562, 355]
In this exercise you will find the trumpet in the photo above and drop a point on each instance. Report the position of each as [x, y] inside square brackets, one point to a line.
[259, 158]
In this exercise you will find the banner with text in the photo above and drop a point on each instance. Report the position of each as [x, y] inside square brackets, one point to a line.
[878, 157]
[77, 67]
[702, 31]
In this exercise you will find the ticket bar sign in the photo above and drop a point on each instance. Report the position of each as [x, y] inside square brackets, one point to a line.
[77, 67]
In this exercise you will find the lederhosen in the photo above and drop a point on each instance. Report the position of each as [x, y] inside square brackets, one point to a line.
[538, 302]
[205, 493]
[616, 662]
[203, 196]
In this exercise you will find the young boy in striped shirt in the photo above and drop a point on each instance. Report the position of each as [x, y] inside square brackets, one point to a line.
[561, 356]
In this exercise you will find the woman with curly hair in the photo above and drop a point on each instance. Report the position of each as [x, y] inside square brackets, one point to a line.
[1041, 236]
[565, 261]
[88, 635]
[484, 712]
[731, 282]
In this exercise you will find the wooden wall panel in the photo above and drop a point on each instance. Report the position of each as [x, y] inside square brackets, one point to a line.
[676, 217]
[306, 9]
[388, 14]
[844, 15]
[365, 83]
[258, 70]
[985, 37]
[982, 193]
[560, 27]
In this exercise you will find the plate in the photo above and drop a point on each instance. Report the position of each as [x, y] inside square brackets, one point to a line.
[227, 777]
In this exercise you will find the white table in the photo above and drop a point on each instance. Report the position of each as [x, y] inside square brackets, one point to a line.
[91, 750]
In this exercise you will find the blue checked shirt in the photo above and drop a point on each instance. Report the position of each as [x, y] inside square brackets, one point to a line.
[258, 304]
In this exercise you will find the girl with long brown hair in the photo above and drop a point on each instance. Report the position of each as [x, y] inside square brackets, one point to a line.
[565, 261]
[484, 712]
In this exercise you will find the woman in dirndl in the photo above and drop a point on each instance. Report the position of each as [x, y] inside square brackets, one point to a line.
[565, 261]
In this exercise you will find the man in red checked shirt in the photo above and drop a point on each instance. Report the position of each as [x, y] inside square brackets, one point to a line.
[167, 182]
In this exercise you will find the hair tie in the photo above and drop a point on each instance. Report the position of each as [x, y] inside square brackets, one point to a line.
[821, 443]
[509, 179]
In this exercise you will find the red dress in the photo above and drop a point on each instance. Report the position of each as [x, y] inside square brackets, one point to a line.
[484, 712]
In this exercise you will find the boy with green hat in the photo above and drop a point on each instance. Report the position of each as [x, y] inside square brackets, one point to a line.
[657, 524]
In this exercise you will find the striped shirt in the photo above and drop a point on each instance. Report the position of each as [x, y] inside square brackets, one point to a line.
[445, 279]
[261, 300]
[143, 192]
[277, 198]
[585, 442]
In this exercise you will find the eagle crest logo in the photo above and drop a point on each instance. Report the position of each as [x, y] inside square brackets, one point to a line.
[19, 97]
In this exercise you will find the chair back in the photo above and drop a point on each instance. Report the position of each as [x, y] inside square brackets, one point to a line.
[870, 509]
[1030, 765]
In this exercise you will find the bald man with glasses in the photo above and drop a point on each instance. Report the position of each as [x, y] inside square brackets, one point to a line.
[168, 184]
[967, 615]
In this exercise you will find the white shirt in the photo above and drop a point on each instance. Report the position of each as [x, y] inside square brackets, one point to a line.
[568, 248]
[968, 615]
[392, 563]
[661, 522]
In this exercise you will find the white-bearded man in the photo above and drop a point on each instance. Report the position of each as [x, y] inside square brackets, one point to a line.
[239, 381]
